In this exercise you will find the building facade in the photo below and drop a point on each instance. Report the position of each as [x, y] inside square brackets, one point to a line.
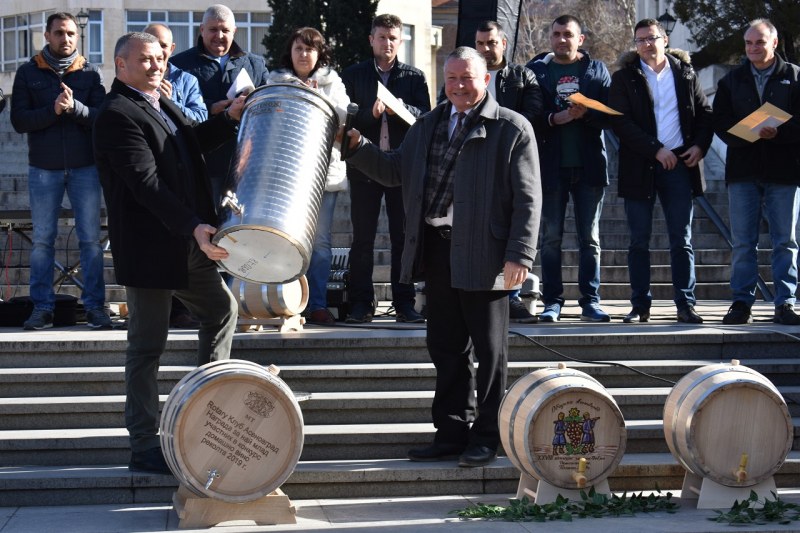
[22, 24]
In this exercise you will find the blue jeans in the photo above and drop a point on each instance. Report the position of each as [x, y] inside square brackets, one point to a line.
[674, 191]
[588, 203]
[319, 268]
[779, 204]
[46, 189]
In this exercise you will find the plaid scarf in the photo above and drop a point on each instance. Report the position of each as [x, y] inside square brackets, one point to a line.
[441, 162]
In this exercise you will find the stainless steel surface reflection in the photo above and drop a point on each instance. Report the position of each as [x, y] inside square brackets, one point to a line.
[281, 164]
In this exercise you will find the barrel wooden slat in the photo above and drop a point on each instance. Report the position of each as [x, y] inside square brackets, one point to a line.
[716, 413]
[273, 300]
[234, 423]
[547, 400]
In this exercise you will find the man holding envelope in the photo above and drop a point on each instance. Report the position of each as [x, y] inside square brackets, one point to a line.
[224, 71]
[762, 169]
[573, 164]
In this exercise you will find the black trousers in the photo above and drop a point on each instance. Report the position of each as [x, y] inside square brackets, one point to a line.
[462, 322]
[365, 209]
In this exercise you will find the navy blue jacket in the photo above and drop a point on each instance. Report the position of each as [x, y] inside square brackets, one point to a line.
[214, 84]
[64, 141]
[594, 83]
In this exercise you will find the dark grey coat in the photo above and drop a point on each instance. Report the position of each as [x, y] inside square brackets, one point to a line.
[497, 196]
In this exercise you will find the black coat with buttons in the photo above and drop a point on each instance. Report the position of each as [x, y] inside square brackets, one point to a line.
[636, 128]
[156, 191]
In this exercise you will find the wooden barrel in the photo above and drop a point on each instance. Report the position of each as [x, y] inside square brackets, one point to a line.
[270, 300]
[552, 418]
[231, 430]
[719, 413]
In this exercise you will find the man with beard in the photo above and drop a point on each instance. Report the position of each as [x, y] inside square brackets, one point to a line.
[56, 95]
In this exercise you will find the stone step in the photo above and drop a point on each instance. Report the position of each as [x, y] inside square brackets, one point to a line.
[383, 342]
[659, 273]
[79, 382]
[322, 408]
[91, 484]
[321, 443]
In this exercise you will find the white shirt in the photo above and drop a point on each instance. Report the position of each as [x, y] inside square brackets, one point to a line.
[665, 105]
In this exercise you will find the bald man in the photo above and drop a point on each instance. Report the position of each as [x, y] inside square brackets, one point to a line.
[177, 85]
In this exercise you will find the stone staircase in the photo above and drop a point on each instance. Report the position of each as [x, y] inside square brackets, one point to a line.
[711, 252]
[62, 440]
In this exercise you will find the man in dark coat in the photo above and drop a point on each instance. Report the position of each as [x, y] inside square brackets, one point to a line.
[469, 172]
[384, 127]
[160, 219]
[664, 131]
[216, 61]
[763, 174]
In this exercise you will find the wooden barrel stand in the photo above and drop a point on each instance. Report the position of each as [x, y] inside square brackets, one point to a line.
[195, 511]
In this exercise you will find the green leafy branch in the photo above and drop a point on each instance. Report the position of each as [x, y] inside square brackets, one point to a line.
[591, 505]
[754, 511]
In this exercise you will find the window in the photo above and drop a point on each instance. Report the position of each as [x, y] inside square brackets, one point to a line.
[250, 27]
[406, 53]
[93, 37]
[23, 38]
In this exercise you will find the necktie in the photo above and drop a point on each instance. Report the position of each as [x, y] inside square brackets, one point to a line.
[459, 125]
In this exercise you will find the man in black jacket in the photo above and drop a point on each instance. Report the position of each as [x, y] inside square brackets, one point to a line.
[56, 95]
[765, 172]
[383, 127]
[514, 87]
[160, 219]
[664, 131]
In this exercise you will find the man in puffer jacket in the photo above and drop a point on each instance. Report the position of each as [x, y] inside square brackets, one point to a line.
[664, 131]
[56, 96]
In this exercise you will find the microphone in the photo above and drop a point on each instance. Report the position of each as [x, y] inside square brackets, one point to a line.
[352, 109]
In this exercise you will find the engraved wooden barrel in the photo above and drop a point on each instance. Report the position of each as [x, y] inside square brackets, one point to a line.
[231, 430]
[717, 413]
[270, 300]
[552, 418]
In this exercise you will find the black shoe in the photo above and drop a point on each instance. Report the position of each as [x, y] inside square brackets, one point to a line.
[637, 314]
[151, 461]
[784, 314]
[39, 319]
[689, 316]
[360, 312]
[435, 452]
[739, 313]
[407, 313]
[476, 455]
[518, 312]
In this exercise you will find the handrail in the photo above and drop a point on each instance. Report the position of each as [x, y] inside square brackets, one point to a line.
[726, 234]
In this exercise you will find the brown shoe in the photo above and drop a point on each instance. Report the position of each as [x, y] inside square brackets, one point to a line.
[321, 317]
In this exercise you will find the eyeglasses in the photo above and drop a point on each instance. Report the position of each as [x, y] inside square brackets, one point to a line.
[650, 39]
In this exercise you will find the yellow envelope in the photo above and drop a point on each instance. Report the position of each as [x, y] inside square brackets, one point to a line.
[578, 98]
[764, 116]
